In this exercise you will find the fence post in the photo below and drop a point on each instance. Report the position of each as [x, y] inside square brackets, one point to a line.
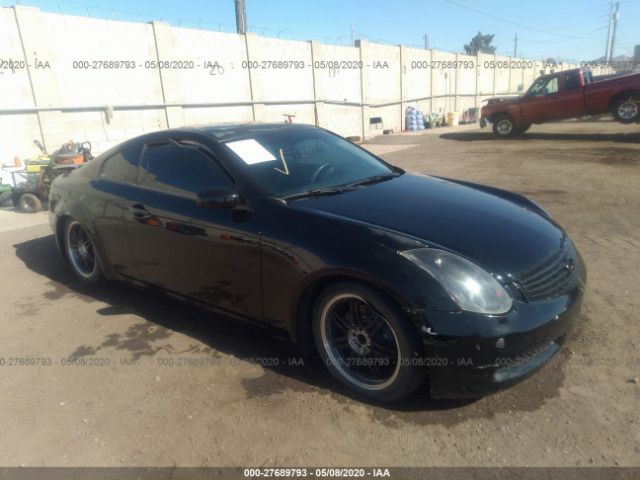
[28, 68]
[313, 45]
[364, 110]
[475, 98]
[456, 100]
[402, 92]
[154, 27]
[431, 80]
[246, 49]
[494, 74]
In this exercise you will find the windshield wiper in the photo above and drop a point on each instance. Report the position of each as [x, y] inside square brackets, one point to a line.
[336, 190]
[316, 193]
[374, 179]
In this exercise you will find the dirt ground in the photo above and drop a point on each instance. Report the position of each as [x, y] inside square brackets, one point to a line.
[114, 376]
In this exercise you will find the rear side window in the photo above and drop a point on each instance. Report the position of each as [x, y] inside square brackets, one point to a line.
[181, 170]
[572, 80]
[122, 166]
[588, 77]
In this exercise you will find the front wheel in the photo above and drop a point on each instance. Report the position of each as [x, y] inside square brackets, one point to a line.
[367, 343]
[29, 203]
[504, 126]
[627, 110]
[81, 253]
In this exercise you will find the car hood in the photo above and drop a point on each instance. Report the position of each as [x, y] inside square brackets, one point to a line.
[503, 100]
[503, 234]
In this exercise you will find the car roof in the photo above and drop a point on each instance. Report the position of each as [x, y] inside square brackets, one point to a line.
[560, 72]
[238, 131]
[217, 132]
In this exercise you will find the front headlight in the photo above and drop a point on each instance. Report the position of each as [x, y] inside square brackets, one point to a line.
[469, 286]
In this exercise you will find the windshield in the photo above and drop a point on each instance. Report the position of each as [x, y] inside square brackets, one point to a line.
[294, 161]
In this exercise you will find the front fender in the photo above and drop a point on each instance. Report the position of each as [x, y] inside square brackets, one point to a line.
[411, 287]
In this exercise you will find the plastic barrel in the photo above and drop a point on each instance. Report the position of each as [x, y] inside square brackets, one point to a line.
[453, 119]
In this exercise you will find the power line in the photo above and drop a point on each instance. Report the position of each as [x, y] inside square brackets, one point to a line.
[536, 41]
[563, 27]
[528, 27]
[140, 16]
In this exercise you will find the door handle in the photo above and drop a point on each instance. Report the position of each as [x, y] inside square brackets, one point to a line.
[139, 211]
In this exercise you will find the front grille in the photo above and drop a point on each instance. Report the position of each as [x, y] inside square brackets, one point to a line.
[553, 277]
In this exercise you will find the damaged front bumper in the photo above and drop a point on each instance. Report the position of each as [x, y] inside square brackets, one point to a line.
[472, 355]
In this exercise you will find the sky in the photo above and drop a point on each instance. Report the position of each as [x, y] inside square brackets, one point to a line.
[561, 29]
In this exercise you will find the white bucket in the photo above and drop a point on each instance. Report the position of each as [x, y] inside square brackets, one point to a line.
[453, 119]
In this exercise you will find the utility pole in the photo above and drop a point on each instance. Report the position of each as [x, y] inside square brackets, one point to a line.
[515, 45]
[615, 26]
[607, 48]
[241, 17]
[426, 41]
[611, 31]
[352, 35]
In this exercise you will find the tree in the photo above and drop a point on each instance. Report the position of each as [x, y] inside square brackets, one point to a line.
[480, 44]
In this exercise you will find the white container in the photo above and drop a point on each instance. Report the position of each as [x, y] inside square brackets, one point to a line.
[453, 119]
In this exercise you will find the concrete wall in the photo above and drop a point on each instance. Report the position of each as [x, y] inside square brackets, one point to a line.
[215, 77]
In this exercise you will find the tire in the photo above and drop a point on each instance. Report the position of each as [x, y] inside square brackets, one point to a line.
[81, 253]
[626, 109]
[29, 203]
[5, 199]
[504, 126]
[362, 336]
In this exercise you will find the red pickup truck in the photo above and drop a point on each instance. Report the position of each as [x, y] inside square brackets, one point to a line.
[563, 95]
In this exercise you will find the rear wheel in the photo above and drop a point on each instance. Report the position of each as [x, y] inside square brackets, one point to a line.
[627, 109]
[367, 343]
[81, 253]
[29, 203]
[504, 126]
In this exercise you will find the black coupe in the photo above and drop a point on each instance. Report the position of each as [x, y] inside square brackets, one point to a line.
[390, 275]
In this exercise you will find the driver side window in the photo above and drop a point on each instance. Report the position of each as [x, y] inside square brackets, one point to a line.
[181, 170]
[544, 86]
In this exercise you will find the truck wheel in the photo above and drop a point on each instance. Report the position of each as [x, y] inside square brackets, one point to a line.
[504, 126]
[627, 109]
[29, 203]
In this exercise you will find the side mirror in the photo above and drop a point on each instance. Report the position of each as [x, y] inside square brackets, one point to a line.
[219, 197]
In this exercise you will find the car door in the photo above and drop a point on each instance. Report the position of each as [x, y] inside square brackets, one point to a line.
[541, 101]
[206, 253]
[571, 103]
[115, 187]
